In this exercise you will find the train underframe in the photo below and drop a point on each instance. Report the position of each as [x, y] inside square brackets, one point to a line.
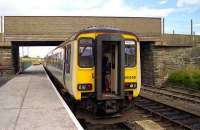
[105, 107]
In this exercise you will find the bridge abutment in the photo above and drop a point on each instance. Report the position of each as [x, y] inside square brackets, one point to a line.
[6, 66]
[167, 59]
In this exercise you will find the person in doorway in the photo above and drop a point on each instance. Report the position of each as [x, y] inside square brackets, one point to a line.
[105, 71]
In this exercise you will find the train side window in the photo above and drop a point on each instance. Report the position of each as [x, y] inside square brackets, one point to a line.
[68, 58]
[85, 53]
[130, 54]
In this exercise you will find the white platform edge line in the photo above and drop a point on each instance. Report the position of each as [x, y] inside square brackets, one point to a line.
[76, 122]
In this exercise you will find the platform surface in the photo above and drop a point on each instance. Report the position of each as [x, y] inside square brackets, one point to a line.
[29, 102]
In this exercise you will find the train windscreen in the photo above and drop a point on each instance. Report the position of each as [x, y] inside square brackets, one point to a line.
[130, 54]
[86, 54]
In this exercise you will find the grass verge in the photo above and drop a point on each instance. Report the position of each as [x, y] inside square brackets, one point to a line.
[188, 77]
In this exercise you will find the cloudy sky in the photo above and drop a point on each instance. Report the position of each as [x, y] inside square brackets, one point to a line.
[177, 13]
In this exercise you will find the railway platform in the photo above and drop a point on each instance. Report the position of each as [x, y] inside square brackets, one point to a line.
[30, 101]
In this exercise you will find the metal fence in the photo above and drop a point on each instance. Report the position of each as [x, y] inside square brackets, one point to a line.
[180, 38]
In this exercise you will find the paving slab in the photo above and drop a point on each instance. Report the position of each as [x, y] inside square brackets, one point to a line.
[29, 102]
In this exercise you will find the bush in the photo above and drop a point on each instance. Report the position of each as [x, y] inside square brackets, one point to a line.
[187, 77]
[25, 63]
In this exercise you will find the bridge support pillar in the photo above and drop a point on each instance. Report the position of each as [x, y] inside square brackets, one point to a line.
[6, 67]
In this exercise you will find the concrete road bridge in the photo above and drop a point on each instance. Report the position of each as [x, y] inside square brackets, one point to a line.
[159, 53]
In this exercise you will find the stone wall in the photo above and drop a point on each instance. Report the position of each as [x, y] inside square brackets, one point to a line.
[168, 59]
[195, 56]
[6, 65]
[147, 63]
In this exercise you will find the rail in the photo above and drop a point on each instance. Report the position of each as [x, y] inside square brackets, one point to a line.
[182, 118]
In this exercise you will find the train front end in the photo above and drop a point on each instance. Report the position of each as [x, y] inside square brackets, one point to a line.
[108, 70]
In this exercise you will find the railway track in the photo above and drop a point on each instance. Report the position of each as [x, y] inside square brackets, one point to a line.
[185, 91]
[157, 110]
[175, 93]
[179, 117]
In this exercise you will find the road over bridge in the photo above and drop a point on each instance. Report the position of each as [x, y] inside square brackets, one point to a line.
[52, 30]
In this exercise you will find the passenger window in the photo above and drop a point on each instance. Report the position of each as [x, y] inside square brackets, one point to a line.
[130, 55]
[68, 58]
[86, 56]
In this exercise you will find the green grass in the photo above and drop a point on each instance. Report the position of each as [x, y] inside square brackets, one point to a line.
[187, 77]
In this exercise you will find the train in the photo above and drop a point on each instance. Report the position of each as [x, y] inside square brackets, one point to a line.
[98, 68]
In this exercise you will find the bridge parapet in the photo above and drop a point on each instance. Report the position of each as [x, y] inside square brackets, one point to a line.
[180, 39]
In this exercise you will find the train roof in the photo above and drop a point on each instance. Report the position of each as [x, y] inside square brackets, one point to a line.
[94, 29]
[103, 29]
[99, 29]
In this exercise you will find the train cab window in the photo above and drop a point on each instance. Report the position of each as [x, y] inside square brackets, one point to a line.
[68, 58]
[86, 56]
[130, 53]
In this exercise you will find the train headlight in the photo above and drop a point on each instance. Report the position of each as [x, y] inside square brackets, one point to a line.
[130, 85]
[84, 87]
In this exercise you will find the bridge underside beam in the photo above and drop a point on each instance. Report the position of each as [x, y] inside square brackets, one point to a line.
[36, 43]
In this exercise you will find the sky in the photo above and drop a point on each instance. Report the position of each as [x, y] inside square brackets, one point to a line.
[34, 51]
[177, 13]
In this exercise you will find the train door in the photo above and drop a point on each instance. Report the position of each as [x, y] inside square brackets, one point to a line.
[109, 67]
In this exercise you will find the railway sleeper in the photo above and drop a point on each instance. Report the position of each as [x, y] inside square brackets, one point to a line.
[196, 126]
[180, 117]
[189, 123]
[163, 110]
[171, 113]
[147, 104]
[155, 107]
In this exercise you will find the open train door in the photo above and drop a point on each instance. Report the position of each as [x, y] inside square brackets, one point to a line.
[113, 46]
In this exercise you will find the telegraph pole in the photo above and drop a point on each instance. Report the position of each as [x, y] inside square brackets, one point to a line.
[163, 26]
[1, 31]
[1, 24]
[191, 22]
